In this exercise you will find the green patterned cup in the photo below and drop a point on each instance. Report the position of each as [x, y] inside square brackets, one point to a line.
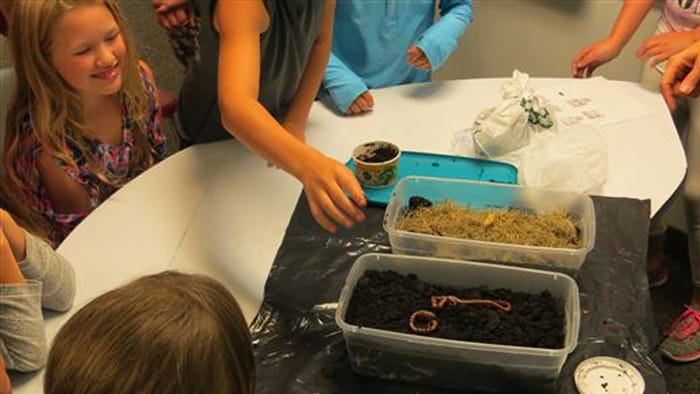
[377, 163]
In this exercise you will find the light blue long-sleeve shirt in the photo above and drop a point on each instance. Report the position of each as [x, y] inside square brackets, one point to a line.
[371, 39]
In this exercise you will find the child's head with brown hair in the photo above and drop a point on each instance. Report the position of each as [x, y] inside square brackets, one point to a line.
[67, 56]
[164, 333]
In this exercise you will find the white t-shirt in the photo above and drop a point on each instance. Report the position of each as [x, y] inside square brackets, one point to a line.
[679, 15]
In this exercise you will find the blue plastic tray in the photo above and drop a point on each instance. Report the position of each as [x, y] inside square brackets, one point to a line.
[443, 166]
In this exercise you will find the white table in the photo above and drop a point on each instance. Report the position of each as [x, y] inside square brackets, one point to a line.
[218, 209]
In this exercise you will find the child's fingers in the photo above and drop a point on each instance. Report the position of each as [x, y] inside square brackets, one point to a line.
[579, 62]
[364, 107]
[332, 210]
[163, 21]
[181, 16]
[590, 69]
[423, 62]
[369, 98]
[414, 53]
[649, 53]
[349, 210]
[365, 102]
[320, 216]
[352, 187]
[172, 19]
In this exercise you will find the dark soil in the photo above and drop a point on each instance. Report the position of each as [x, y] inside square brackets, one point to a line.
[416, 202]
[386, 300]
[379, 155]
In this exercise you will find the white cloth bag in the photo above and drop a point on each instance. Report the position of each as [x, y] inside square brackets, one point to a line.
[510, 125]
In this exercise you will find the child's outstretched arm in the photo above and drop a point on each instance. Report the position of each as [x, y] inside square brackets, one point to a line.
[325, 180]
[628, 20]
[438, 42]
[660, 47]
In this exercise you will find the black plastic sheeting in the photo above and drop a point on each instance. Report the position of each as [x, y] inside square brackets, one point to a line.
[300, 349]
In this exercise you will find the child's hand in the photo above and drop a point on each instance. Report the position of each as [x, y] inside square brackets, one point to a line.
[662, 46]
[681, 76]
[417, 58]
[325, 183]
[363, 103]
[173, 13]
[592, 56]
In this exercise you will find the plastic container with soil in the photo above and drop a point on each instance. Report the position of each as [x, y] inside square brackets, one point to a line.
[451, 363]
[491, 196]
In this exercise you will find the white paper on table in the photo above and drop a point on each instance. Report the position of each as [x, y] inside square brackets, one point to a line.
[594, 101]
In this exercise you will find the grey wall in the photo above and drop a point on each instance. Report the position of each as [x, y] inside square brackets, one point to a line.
[540, 37]
[537, 36]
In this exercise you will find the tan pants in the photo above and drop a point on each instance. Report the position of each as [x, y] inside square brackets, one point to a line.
[687, 121]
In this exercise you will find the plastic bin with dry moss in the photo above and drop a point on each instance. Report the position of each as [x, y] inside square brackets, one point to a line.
[490, 222]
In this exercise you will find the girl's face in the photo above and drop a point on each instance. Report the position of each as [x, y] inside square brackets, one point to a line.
[88, 51]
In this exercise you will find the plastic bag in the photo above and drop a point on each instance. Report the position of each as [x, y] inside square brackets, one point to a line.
[574, 160]
[510, 125]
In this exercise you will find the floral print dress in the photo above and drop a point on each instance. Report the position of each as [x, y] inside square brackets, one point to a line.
[113, 160]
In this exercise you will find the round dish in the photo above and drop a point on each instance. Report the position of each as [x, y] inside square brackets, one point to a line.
[608, 375]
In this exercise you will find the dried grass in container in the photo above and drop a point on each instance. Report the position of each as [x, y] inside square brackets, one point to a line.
[556, 229]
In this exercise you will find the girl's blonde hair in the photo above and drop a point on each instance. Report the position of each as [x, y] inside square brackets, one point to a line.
[162, 334]
[54, 106]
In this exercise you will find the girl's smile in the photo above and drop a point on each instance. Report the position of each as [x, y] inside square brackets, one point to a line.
[108, 74]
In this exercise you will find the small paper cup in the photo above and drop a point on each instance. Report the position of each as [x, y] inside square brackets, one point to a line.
[377, 163]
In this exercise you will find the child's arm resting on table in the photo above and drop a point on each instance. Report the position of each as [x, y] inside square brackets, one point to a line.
[344, 87]
[22, 342]
[325, 180]
[440, 40]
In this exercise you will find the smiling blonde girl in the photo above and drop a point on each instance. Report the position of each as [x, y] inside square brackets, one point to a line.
[85, 117]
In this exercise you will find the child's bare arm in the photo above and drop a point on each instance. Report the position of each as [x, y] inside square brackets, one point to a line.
[662, 46]
[298, 113]
[325, 180]
[594, 55]
[10, 274]
[14, 235]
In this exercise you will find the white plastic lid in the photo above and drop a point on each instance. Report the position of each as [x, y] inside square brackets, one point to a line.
[601, 375]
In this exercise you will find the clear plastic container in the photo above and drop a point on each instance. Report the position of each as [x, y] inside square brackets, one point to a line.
[472, 366]
[485, 195]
